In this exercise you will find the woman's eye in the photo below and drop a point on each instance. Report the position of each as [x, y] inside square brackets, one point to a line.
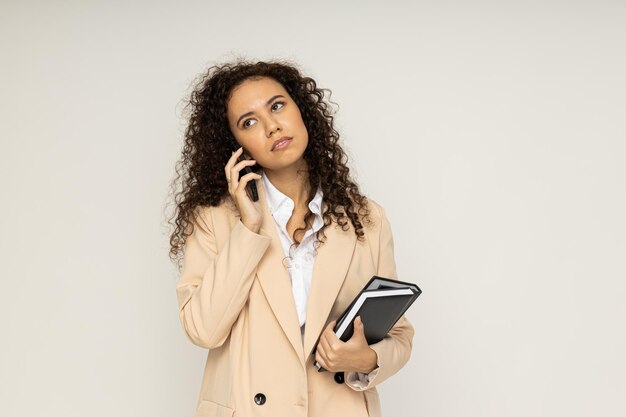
[245, 123]
[279, 102]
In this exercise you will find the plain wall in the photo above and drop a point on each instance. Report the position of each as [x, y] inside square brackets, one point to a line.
[492, 132]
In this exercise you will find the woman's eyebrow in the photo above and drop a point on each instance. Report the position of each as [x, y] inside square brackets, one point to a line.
[250, 113]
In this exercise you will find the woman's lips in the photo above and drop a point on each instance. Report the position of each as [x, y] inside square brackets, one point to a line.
[282, 144]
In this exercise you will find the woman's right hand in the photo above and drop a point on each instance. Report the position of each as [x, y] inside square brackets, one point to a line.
[251, 214]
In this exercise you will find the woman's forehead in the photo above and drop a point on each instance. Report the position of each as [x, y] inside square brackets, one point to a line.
[254, 92]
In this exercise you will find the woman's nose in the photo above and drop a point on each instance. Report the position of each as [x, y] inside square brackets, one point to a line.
[271, 125]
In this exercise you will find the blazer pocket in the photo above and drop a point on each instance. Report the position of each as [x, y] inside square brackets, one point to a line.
[212, 409]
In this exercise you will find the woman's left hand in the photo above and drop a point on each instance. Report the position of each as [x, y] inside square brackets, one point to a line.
[335, 355]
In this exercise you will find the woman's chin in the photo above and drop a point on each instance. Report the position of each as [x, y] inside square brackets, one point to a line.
[285, 162]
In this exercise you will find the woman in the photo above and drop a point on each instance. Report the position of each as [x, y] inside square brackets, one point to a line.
[263, 281]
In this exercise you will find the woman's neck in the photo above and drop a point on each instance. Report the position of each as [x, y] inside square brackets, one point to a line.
[293, 181]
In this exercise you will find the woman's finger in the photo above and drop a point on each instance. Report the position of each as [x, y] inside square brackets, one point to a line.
[329, 333]
[327, 350]
[243, 181]
[232, 161]
[321, 358]
[235, 171]
[326, 347]
[251, 214]
[228, 169]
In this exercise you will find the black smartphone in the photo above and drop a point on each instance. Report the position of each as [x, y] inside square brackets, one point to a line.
[251, 189]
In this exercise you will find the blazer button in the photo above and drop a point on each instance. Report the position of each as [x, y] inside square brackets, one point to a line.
[339, 377]
[259, 399]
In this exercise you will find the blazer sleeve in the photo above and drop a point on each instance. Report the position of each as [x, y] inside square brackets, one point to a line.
[394, 351]
[214, 284]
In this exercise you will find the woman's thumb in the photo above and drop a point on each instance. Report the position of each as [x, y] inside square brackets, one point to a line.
[359, 323]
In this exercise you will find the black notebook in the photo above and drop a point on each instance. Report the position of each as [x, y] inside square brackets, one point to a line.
[380, 304]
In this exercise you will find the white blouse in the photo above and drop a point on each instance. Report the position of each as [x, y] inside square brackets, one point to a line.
[300, 261]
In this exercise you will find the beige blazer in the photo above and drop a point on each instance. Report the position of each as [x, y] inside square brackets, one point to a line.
[235, 299]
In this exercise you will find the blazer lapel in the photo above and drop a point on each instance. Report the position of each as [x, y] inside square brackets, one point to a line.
[276, 281]
[329, 272]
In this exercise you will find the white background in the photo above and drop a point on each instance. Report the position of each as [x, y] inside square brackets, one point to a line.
[492, 132]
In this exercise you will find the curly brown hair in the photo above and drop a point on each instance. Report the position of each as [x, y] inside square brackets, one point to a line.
[200, 171]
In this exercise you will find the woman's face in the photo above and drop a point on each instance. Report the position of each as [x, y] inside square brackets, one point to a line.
[261, 112]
